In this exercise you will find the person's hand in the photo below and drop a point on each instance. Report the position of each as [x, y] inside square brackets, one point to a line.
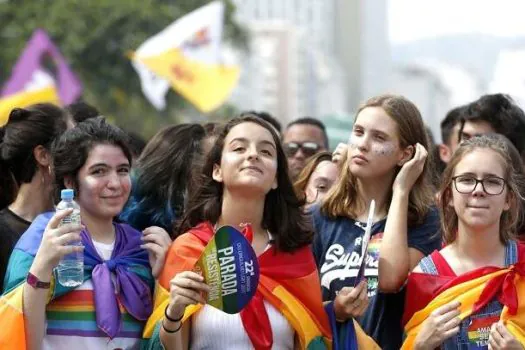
[501, 339]
[56, 243]
[340, 152]
[185, 289]
[157, 242]
[351, 302]
[442, 324]
[411, 170]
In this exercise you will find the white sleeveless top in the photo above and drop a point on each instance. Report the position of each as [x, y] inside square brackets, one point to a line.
[214, 329]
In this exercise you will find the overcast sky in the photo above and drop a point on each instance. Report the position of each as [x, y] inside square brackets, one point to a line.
[416, 19]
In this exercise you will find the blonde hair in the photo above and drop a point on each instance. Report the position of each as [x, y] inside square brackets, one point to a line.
[514, 178]
[344, 200]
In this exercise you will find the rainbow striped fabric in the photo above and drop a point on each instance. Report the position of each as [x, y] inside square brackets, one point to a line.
[474, 290]
[294, 290]
[74, 314]
[70, 312]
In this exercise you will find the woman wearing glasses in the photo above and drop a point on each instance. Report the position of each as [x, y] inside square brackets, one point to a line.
[470, 293]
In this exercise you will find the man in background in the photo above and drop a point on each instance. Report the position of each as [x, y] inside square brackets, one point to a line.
[494, 113]
[303, 138]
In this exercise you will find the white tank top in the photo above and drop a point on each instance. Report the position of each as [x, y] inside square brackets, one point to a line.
[214, 329]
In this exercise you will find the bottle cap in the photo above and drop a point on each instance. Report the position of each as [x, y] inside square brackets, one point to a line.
[67, 194]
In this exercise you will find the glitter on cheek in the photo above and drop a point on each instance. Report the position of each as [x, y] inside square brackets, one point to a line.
[353, 145]
[352, 142]
[384, 150]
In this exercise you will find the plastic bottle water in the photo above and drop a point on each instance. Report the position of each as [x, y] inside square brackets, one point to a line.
[70, 269]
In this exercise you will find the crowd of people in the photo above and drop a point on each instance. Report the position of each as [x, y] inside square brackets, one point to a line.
[443, 266]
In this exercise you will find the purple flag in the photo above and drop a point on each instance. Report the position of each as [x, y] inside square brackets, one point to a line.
[69, 87]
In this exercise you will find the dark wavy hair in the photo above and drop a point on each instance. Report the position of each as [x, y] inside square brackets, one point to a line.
[163, 177]
[502, 113]
[71, 150]
[282, 215]
[81, 111]
[26, 128]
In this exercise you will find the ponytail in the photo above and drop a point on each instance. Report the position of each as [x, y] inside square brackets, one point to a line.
[8, 187]
[26, 129]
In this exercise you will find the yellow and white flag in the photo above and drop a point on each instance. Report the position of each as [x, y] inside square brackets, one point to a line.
[40, 89]
[187, 56]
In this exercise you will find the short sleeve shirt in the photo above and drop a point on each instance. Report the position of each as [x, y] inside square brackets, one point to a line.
[337, 251]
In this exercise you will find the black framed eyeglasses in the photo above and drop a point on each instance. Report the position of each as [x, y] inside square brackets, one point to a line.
[308, 148]
[466, 184]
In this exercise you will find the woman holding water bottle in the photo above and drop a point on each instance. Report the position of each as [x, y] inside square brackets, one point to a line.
[107, 299]
[386, 162]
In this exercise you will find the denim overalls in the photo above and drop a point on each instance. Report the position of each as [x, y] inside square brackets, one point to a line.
[474, 330]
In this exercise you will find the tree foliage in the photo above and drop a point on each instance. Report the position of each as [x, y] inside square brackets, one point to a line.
[95, 36]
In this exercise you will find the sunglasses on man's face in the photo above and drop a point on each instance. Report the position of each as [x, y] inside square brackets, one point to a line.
[308, 148]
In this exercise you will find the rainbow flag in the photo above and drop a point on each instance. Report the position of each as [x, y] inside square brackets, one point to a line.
[74, 314]
[13, 335]
[72, 311]
[294, 290]
[473, 290]
[31, 83]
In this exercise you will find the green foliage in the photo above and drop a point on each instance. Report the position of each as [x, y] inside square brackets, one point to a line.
[95, 36]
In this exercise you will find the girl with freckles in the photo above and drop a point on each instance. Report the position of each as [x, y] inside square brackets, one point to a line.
[386, 162]
[471, 293]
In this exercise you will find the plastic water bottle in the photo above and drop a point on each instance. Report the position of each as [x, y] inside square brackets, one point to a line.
[70, 269]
